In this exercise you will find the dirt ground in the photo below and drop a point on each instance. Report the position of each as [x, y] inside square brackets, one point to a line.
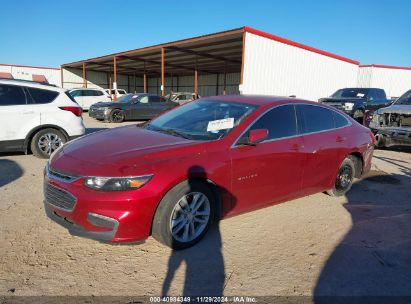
[359, 244]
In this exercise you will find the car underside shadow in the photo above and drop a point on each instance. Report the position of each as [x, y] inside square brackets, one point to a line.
[374, 257]
[92, 130]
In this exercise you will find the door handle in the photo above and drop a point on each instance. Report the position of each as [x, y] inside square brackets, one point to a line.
[28, 112]
[340, 139]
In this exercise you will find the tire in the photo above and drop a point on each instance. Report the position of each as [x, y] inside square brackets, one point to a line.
[172, 212]
[359, 116]
[380, 141]
[46, 141]
[117, 116]
[344, 179]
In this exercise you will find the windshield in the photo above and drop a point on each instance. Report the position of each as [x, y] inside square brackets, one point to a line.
[350, 93]
[404, 99]
[202, 120]
[129, 97]
[171, 96]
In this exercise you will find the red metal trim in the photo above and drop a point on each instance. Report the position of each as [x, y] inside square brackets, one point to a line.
[28, 66]
[299, 45]
[384, 66]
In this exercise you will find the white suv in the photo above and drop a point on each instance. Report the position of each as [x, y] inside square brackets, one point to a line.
[36, 117]
[86, 97]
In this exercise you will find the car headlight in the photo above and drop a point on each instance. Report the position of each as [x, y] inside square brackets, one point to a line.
[117, 183]
[348, 105]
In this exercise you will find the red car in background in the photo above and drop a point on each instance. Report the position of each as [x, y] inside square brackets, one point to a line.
[206, 160]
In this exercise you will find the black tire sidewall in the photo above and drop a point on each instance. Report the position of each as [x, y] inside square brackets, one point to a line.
[346, 162]
[116, 111]
[161, 228]
[34, 142]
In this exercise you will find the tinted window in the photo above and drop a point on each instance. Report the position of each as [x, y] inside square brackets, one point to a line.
[98, 93]
[154, 98]
[75, 93]
[42, 96]
[315, 118]
[380, 95]
[280, 122]
[340, 120]
[11, 95]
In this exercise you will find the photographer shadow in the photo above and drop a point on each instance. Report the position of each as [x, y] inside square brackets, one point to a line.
[204, 262]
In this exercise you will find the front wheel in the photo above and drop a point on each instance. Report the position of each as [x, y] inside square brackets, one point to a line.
[344, 179]
[117, 116]
[184, 215]
[46, 141]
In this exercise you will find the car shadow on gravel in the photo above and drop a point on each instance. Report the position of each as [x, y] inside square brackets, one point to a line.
[9, 171]
[374, 258]
[204, 262]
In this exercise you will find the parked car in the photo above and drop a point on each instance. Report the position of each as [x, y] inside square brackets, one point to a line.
[37, 118]
[115, 92]
[86, 97]
[392, 125]
[181, 97]
[357, 102]
[131, 107]
[208, 159]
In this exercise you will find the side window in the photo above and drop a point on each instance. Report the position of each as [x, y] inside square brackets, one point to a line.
[280, 122]
[11, 95]
[144, 99]
[154, 98]
[76, 93]
[40, 96]
[98, 93]
[380, 95]
[340, 120]
[316, 118]
[371, 96]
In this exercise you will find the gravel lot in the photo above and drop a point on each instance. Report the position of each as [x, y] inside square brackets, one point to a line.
[354, 245]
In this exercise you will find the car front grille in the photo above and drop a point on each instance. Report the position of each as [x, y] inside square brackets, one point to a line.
[59, 198]
[61, 176]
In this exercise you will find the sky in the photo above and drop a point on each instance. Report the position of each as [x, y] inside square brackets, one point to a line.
[51, 32]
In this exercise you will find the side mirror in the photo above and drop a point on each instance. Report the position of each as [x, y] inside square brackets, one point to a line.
[255, 137]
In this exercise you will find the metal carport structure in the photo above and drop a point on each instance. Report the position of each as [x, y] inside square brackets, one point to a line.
[215, 54]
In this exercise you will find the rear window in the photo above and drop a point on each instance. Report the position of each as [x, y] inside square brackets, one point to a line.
[340, 120]
[316, 118]
[40, 96]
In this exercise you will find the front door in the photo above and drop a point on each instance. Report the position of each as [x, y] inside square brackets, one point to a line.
[271, 171]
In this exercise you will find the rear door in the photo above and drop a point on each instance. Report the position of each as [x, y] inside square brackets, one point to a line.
[272, 170]
[18, 116]
[324, 146]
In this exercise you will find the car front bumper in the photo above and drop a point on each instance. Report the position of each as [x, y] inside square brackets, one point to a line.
[105, 216]
[99, 114]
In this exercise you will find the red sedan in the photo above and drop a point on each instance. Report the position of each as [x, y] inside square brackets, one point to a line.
[206, 160]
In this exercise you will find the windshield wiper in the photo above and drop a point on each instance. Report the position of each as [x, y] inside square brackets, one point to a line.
[173, 132]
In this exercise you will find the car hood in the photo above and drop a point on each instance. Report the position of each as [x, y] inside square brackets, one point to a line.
[120, 151]
[398, 109]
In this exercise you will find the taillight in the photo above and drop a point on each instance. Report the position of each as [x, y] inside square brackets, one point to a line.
[75, 110]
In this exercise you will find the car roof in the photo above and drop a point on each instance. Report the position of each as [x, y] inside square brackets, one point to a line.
[31, 84]
[86, 89]
[259, 100]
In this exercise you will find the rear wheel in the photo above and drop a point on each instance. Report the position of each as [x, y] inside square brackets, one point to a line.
[117, 116]
[344, 179]
[184, 215]
[46, 141]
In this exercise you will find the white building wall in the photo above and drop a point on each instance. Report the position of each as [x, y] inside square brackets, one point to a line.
[275, 68]
[26, 73]
[395, 81]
